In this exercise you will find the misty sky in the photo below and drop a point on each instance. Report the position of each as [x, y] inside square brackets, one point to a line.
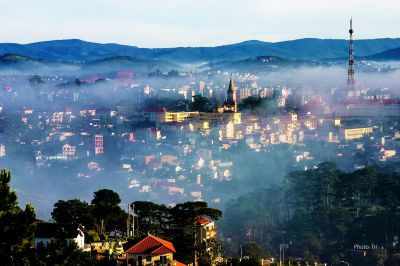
[170, 23]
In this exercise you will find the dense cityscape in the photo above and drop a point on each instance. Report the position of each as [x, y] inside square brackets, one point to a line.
[231, 163]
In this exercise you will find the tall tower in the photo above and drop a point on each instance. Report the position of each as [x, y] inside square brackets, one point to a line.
[231, 96]
[350, 71]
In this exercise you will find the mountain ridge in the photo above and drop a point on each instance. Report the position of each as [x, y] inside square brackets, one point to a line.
[75, 50]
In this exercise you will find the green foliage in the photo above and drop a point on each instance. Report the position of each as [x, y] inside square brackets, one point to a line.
[208, 251]
[258, 106]
[380, 256]
[93, 235]
[292, 103]
[72, 212]
[322, 213]
[106, 210]
[60, 252]
[250, 261]
[36, 79]
[201, 104]
[253, 250]
[177, 225]
[152, 218]
[16, 225]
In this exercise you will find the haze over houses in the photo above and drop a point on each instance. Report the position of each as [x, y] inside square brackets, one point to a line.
[183, 138]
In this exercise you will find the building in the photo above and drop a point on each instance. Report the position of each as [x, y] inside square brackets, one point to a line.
[98, 144]
[368, 108]
[68, 150]
[202, 120]
[149, 250]
[166, 117]
[384, 154]
[205, 233]
[230, 104]
[245, 93]
[48, 232]
[355, 133]
[2, 150]
[205, 229]
[57, 117]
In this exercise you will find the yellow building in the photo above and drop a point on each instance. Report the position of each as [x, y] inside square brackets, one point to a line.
[205, 229]
[198, 119]
[166, 117]
[226, 114]
[356, 133]
[149, 250]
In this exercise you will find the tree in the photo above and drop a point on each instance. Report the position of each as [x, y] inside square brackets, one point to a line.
[183, 227]
[72, 212]
[36, 79]
[106, 209]
[253, 104]
[293, 102]
[16, 225]
[208, 251]
[201, 104]
[181, 105]
[253, 250]
[152, 218]
[61, 252]
[187, 212]
[250, 261]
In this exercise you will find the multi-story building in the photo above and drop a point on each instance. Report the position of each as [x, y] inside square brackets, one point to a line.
[245, 93]
[98, 144]
[68, 150]
[205, 229]
[2, 150]
[355, 133]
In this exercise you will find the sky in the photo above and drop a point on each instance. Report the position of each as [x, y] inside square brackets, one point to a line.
[172, 23]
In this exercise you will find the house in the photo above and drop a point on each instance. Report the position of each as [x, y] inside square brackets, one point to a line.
[48, 232]
[149, 250]
[205, 229]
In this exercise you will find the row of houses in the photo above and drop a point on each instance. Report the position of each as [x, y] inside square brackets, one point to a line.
[147, 250]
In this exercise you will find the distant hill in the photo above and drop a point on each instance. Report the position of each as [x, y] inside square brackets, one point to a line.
[109, 64]
[392, 54]
[14, 59]
[263, 63]
[19, 62]
[310, 49]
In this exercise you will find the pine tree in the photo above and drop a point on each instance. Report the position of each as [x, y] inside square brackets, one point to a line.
[16, 225]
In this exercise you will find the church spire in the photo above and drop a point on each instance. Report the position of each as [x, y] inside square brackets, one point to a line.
[231, 96]
[231, 86]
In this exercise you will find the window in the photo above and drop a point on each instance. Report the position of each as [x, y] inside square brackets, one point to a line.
[148, 258]
[163, 259]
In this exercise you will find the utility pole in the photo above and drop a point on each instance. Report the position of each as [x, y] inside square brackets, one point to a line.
[131, 221]
[195, 244]
[282, 247]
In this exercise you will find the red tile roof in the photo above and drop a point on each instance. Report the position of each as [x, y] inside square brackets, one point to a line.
[202, 220]
[151, 245]
[165, 243]
[177, 263]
